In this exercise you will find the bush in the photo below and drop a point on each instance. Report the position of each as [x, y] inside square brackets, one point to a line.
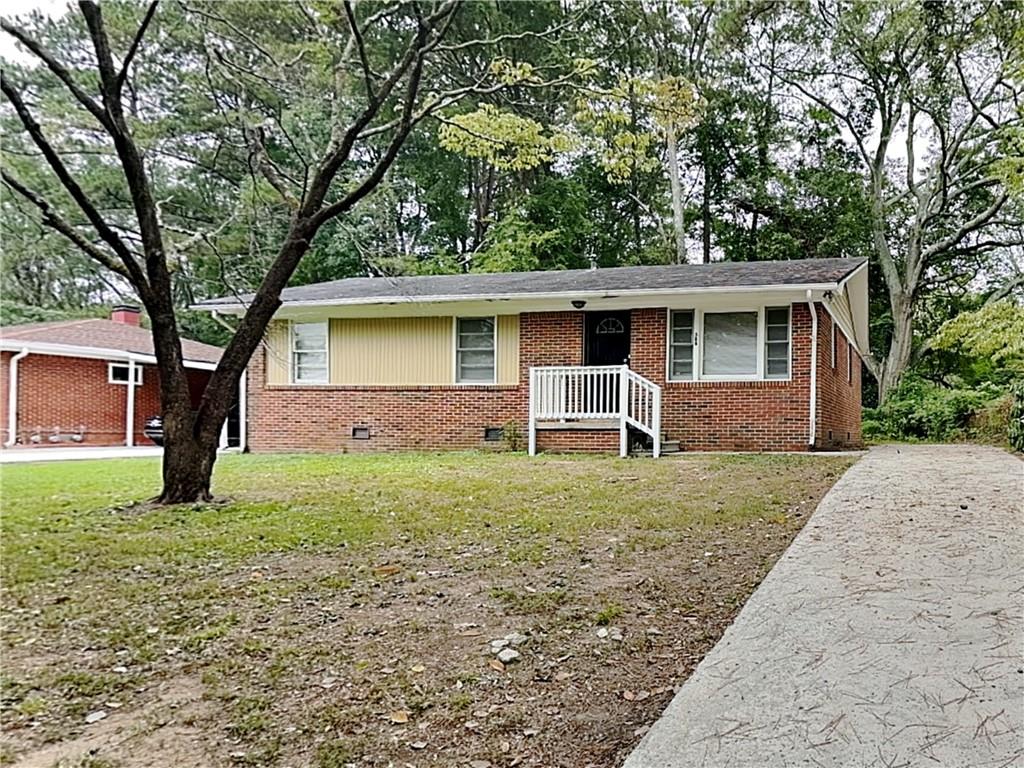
[1015, 419]
[920, 410]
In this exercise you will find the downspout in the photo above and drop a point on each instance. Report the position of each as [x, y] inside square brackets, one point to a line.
[12, 400]
[814, 372]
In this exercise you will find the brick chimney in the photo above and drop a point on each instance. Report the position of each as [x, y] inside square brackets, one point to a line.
[126, 313]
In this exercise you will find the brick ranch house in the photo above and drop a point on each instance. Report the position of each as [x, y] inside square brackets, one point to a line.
[68, 382]
[760, 356]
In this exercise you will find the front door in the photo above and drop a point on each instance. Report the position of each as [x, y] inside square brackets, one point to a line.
[607, 338]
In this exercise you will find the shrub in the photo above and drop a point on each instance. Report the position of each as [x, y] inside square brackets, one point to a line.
[924, 411]
[1015, 420]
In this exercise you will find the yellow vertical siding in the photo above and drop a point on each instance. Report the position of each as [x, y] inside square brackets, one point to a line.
[391, 351]
[507, 354]
[277, 353]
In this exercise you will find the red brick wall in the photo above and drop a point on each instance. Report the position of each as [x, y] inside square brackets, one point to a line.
[839, 389]
[69, 392]
[736, 415]
[763, 415]
[578, 441]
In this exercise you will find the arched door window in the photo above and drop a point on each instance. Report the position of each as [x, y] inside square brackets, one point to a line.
[610, 325]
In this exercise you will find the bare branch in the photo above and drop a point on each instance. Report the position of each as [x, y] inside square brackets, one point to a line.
[55, 221]
[136, 42]
[106, 233]
[57, 69]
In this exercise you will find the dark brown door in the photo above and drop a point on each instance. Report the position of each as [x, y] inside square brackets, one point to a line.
[607, 338]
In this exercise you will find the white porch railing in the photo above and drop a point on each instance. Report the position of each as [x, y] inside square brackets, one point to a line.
[592, 393]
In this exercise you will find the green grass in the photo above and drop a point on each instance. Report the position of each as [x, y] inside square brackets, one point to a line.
[75, 517]
[312, 565]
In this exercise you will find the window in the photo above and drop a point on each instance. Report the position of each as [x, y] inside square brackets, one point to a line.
[610, 325]
[474, 350]
[730, 344]
[117, 373]
[849, 363]
[309, 353]
[680, 345]
[776, 342]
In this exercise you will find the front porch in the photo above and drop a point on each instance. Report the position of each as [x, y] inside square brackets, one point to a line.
[599, 398]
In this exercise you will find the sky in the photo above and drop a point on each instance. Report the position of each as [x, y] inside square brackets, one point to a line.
[8, 48]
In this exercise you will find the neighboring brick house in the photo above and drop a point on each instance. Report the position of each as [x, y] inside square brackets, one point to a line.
[761, 356]
[67, 382]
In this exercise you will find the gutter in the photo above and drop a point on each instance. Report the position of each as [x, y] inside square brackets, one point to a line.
[813, 426]
[99, 353]
[539, 296]
[12, 400]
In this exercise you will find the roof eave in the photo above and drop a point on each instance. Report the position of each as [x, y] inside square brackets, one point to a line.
[100, 353]
[237, 307]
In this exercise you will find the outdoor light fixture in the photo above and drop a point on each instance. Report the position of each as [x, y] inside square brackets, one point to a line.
[579, 304]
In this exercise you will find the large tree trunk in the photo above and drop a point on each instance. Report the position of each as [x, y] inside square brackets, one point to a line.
[901, 346]
[677, 196]
[187, 470]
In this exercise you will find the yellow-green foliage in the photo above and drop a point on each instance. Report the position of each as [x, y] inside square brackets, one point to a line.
[626, 121]
[995, 332]
[506, 141]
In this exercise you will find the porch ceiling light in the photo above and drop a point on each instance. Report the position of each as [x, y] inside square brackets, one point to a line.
[579, 303]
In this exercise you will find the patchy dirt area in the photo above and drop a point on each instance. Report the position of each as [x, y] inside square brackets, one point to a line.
[386, 652]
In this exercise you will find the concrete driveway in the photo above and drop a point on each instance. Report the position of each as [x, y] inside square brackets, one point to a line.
[32, 455]
[890, 634]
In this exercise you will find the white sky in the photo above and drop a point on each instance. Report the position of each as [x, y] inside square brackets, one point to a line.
[8, 48]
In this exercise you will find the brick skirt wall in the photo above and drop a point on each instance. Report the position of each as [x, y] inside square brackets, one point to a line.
[744, 415]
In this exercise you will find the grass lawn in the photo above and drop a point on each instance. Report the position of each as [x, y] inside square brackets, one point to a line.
[339, 610]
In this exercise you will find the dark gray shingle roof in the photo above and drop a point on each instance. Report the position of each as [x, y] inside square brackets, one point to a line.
[682, 277]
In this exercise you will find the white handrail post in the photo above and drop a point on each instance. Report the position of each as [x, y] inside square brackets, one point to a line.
[623, 409]
[656, 421]
[533, 415]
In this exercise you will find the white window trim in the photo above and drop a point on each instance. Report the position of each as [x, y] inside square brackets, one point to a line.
[455, 351]
[849, 363]
[698, 345]
[789, 342]
[291, 353]
[112, 380]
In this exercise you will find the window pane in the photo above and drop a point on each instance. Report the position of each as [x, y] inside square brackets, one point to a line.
[308, 359]
[476, 325]
[778, 333]
[476, 341]
[119, 372]
[776, 316]
[474, 373]
[778, 368]
[471, 357]
[682, 369]
[730, 344]
[682, 318]
[310, 335]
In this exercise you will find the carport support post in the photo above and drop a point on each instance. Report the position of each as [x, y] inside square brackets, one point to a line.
[129, 420]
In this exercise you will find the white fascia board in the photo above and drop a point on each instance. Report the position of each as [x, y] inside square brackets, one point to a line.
[535, 302]
[97, 353]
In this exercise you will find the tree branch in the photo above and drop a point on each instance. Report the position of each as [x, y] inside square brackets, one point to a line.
[55, 221]
[106, 233]
[136, 42]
